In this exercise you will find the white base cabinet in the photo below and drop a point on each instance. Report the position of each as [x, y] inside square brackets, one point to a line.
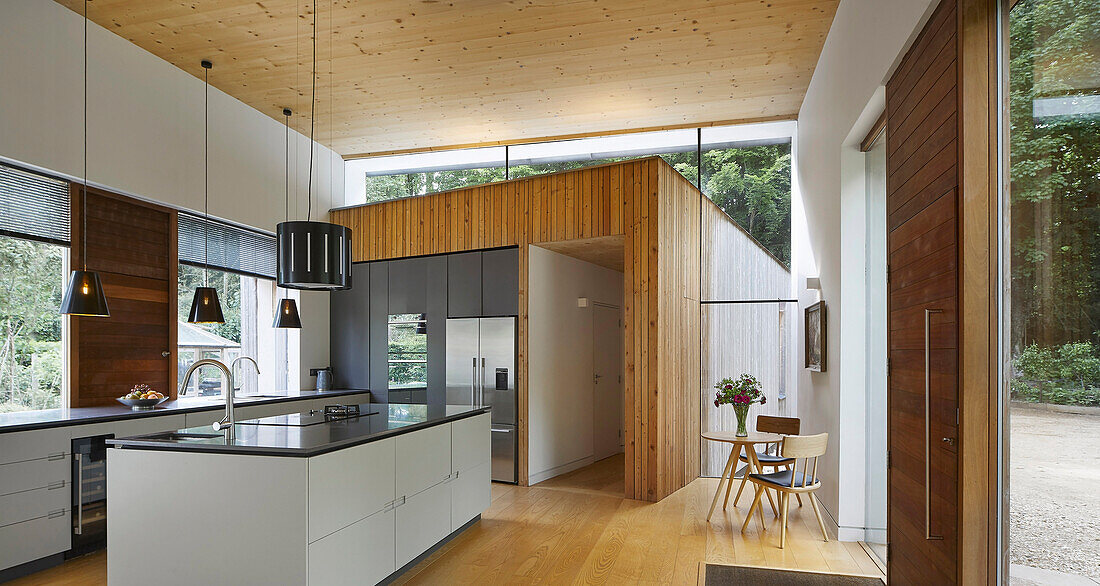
[34, 539]
[362, 553]
[422, 521]
[470, 494]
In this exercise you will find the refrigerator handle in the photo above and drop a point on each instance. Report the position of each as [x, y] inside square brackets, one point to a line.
[482, 381]
[473, 384]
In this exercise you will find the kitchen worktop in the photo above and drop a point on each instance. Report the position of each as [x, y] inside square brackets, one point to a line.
[46, 418]
[272, 436]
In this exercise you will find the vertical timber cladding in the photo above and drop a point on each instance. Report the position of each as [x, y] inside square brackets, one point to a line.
[657, 211]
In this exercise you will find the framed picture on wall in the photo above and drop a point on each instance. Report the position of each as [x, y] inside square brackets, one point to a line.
[815, 337]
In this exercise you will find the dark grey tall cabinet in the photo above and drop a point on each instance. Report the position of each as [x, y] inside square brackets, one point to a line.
[471, 284]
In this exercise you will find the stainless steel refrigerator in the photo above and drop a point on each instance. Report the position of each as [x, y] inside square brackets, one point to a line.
[481, 367]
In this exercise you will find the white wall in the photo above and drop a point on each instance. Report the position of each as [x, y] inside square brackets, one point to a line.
[866, 41]
[145, 132]
[559, 377]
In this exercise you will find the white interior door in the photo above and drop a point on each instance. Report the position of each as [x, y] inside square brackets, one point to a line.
[607, 390]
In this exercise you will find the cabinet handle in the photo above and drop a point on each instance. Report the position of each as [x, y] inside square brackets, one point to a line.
[55, 457]
[79, 529]
[55, 514]
[55, 485]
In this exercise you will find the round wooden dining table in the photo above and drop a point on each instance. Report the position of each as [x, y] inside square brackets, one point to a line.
[747, 443]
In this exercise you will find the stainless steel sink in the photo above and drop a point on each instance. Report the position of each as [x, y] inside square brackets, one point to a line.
[182, 436]
[248, 397]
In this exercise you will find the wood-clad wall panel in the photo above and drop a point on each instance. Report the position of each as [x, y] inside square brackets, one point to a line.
[678, 292]
[132, 245]
[656, 212]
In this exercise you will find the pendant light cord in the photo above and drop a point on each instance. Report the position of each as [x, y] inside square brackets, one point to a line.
[312, 118]
[286, 163]
[84, 194]
[206, 178]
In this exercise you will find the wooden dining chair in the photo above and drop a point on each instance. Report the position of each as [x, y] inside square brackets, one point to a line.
[772, 455]
[805, 450]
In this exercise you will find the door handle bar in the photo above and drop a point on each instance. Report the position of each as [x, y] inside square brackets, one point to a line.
[928, 425]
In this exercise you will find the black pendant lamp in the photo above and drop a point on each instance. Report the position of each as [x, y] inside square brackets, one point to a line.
[84, 296]
[205, 308]
[313, 255]
[287, 314]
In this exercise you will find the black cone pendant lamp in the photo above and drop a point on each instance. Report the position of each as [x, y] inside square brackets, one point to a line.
[84, 296]
[313, 255]
[205, 308]
[287, 314]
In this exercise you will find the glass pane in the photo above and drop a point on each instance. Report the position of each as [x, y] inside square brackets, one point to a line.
[737, 266]
[383, 178]
[31, 359]
[744, 338]
[408, 351]
[753, 186]
[1054, 320]
[249, 305]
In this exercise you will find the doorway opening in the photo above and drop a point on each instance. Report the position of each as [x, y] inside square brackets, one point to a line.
[576, 362]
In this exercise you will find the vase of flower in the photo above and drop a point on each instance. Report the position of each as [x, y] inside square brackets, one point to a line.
[742, 393]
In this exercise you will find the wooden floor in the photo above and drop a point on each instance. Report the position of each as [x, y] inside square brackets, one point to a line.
[577, 528]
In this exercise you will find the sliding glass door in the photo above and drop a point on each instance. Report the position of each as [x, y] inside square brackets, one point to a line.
[1051, 306]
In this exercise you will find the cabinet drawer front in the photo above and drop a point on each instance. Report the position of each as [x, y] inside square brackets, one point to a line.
[362, 553]
[20, 446]
[470, 495]
[30, 474]
[423, 459]
[348, 485]
[470, 442]
[31, 504]
[34, 539]
[422, 521]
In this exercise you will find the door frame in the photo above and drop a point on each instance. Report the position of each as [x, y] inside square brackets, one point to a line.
[981, 87]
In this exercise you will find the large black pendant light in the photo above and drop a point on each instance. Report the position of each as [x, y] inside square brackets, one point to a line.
[313, 255]
[287, 314]
[205, 308]
[84, 296]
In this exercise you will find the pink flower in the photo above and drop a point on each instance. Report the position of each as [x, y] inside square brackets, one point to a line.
[763, 400]
[716, 402]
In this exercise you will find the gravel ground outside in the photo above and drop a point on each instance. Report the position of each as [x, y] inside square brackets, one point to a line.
[1055, 491]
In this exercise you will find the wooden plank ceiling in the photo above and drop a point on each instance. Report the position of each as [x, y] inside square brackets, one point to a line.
[423, 74]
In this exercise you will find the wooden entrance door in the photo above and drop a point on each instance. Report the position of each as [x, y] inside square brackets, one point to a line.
[922, 219]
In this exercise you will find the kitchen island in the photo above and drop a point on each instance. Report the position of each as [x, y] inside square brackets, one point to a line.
[309, 498]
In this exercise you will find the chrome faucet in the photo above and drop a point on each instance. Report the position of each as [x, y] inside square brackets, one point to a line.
[237, 360]
[227, 422]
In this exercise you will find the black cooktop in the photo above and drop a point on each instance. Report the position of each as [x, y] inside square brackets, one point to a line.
[329, 414]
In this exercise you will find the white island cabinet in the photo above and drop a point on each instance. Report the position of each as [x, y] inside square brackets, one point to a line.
[354, 515]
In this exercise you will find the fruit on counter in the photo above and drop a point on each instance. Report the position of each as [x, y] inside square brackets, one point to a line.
[143, 391]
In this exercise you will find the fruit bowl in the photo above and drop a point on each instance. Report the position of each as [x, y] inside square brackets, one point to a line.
[141, 404]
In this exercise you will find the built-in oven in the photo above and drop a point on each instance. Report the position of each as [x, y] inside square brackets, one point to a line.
[89, 494]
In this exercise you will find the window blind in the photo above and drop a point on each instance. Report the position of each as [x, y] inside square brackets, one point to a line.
[33, 205]
[233, 249]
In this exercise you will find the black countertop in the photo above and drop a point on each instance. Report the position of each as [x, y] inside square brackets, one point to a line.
[271, 438]
[46, 418]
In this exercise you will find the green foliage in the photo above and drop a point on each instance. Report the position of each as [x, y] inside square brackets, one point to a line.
[31, 276]
[1068, 374]
[407, 352]
[1055, 174]
[752, 185]
[744, 390]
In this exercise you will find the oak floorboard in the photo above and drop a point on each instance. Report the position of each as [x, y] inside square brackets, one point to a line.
[573, 531]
